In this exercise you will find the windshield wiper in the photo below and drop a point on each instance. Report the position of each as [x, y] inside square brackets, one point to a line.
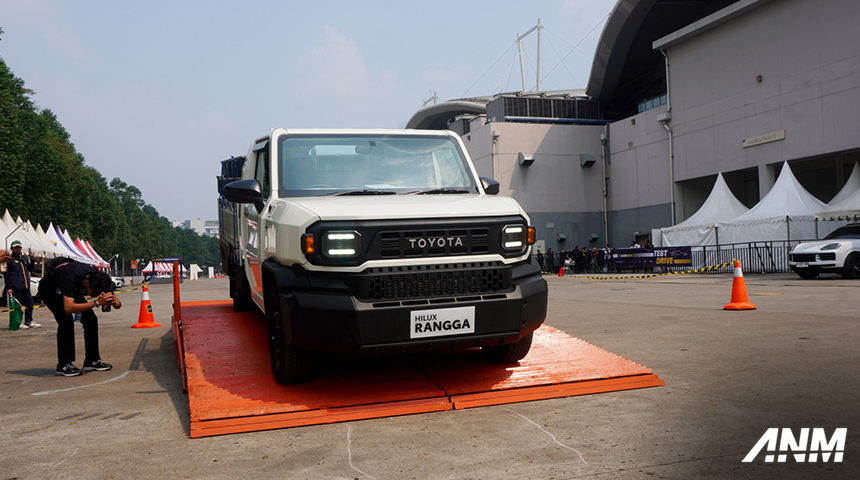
[434, 191]
[363, 192]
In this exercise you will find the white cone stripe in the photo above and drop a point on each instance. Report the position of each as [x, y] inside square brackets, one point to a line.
[738, 272]
[145, 296]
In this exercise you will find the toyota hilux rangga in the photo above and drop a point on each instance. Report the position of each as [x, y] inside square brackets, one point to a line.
[376, 242]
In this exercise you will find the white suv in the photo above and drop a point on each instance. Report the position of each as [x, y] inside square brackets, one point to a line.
[839, 252]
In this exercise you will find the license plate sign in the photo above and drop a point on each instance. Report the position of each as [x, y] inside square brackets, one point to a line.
[802, 265]
[441, 322]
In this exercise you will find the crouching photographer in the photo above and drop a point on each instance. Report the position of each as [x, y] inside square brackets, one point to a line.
[63, 289]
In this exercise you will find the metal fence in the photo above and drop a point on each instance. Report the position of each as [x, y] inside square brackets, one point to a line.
[755, 257]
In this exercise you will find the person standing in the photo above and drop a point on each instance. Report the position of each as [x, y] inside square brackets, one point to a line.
[17, 278]
[62, 289]
[607, 258]
[541, 261]
[550, 260]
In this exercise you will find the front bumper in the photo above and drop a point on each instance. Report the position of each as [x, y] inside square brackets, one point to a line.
[325, 315]
[813, 261]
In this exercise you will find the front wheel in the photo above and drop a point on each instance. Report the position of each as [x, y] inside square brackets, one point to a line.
[511, 352]
[806, 275]
[240, 291]
[289, 364]
[851, 269]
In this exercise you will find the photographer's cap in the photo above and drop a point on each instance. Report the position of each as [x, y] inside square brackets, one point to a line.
[16, 243]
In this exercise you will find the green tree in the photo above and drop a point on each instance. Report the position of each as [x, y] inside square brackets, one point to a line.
[44, 179]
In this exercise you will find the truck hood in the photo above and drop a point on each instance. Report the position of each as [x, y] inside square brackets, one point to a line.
[379, 207]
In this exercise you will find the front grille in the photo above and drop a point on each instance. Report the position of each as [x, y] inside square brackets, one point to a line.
[434, 243]
[398, 283]
[415, 239]
[811, 257]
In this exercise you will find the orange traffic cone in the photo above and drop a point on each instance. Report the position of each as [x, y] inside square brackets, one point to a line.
[145, 319]
[740, 300]
[561, 272]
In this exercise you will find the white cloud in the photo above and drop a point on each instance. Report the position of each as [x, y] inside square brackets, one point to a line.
[334, 68]
[442, 78]
[583, 14]
[64, 42]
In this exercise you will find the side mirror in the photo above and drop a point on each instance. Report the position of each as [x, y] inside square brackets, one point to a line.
[491, 187]
[245, 191]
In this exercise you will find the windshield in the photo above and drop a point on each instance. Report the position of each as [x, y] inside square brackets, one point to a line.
[848, 231]
[316, 165]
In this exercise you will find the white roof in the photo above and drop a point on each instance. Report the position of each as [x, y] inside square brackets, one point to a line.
[721, 205]
[785, 213]
[786, 198]
[848, 209]
[851, 186]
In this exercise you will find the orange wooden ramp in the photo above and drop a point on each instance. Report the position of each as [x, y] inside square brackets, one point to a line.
[231, 389]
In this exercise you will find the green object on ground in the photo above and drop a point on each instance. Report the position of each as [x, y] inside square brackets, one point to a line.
[16, 314]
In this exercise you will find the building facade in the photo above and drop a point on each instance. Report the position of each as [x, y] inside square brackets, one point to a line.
[203, 227]
[685, 90]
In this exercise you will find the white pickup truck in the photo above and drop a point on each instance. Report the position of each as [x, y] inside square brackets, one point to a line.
[376, 242]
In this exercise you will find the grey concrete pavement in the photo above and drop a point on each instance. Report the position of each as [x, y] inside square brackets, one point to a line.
[729, 377]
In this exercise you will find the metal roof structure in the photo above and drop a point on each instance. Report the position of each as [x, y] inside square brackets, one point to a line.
[440, 115]
[626, 68]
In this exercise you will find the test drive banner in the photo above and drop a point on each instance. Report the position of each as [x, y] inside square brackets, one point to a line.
[650, 258]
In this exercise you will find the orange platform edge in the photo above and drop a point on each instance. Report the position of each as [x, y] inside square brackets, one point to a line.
[224, 359]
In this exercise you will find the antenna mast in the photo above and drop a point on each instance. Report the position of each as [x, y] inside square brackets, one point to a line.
[537, 27]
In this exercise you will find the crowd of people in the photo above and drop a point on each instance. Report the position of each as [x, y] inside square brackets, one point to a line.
[581, 259]
[578, 260]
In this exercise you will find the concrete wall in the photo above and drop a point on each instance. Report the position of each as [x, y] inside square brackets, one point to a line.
[808, 56]
[639, 180]
[559, 195]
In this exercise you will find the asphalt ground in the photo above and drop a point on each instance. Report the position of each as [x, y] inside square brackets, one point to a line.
[729, 376]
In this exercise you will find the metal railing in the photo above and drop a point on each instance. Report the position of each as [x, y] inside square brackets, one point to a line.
[755, 257]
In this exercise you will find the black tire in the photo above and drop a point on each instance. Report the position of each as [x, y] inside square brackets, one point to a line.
[240, 291]
[289, 364]
[511, 352]
[851, 269]
[806, 274]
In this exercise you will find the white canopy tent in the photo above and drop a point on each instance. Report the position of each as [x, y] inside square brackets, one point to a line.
[58, 242]
[4, 232]
[787, 212]
[94, 252]
[38, 244]
[26, 234]
[846, 210]
[162, 268]
[55, 235]
[46, 244]
[47, 241]
[701, 227]
[82, 257]
[87, 250]
[851, 186]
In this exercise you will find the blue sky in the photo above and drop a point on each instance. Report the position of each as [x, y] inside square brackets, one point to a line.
[158, 92]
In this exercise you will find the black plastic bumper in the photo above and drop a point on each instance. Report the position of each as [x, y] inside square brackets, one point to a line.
[321, 313]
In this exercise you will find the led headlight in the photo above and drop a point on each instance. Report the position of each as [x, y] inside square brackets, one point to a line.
[515, 238]
[341, 244]
[832, 246]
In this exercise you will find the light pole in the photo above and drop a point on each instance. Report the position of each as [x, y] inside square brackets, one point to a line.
[114, 263]
[22, 224]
